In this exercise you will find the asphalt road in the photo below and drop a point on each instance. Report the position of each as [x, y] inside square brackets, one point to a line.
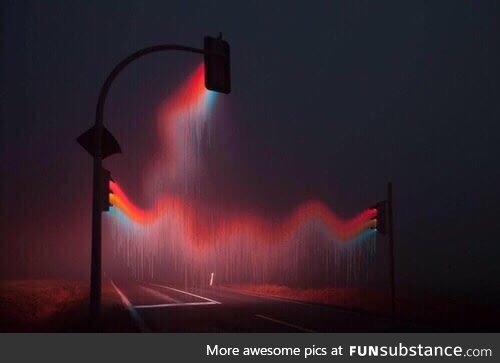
[161, 308]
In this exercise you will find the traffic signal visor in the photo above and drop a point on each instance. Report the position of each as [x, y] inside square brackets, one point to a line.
[217, 65]
[107, 194]
[380, 217]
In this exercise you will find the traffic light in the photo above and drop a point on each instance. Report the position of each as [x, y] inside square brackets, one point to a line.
[106, 190]
[217, 64]
[380, 217]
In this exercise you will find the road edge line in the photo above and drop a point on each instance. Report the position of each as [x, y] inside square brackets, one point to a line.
[141, 325]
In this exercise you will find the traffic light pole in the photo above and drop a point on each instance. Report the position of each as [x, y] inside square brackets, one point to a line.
[95, 269]
[95, 265]
[391, 247]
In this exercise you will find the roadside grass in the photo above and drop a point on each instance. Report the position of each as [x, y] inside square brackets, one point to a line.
[58, 306]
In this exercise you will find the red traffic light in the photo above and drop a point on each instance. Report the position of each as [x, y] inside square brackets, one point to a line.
[217, 65]
[105, 190]
[380, 217]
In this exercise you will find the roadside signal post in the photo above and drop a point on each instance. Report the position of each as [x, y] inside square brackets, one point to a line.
[391, 246]
[100, 143]
[384, 226]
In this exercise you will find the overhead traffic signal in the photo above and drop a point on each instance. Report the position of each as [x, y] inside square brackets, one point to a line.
[106, 190]
[217, 64]
[380, 217]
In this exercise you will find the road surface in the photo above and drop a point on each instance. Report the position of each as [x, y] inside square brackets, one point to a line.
[162, 308]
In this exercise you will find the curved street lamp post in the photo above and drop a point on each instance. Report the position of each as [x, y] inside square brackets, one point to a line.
[100, 143]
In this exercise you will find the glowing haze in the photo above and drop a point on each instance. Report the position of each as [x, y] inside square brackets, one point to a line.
[195, 240]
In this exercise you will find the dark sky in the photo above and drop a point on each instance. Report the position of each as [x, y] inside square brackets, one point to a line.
[330, 100]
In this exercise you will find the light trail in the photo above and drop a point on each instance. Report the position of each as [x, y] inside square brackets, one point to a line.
[205, 231]
[181, 118]
[181, 240]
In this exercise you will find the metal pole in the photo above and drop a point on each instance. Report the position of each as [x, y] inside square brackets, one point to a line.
[391, 246]
[95, 268]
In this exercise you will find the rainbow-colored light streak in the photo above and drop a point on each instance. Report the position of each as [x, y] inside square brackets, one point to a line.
[190, 104]
[202, 231]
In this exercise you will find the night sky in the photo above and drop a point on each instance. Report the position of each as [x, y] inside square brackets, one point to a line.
[330, 100]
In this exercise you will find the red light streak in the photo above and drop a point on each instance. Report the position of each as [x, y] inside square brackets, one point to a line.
[201, 231]
[185, 108]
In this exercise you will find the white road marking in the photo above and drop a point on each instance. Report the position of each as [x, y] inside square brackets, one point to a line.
[177, 303]
[174, 304]
[133, 313]
[299, 328]
[160, 295]
[185, 292]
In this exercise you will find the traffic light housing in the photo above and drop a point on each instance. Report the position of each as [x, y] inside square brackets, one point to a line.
[380, 217]
[217, 65]
[106, 190]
